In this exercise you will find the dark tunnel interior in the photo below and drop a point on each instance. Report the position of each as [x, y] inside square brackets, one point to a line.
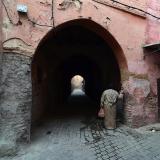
[73, 50]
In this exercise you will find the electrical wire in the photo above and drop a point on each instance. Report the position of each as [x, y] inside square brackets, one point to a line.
[52, 17]
[128, 6]
[155, 52]
[8, 13]
[29, 19]
[135, 8]
[38, 24]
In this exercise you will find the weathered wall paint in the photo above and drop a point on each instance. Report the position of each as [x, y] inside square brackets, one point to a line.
[153, 31]
[30, 35]
[21, 35]
[153, 36]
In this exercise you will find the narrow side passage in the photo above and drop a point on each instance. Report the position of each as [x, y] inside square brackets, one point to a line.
[73, 50]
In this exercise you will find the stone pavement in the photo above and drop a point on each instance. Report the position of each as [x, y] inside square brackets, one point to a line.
[84, 138]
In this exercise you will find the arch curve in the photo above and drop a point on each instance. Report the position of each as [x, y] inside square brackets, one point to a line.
[77, 47]
[94, 27]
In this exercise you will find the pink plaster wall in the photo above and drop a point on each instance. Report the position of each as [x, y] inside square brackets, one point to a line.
[153, 68]
[153, 36]
[153, 31]
[129, 30]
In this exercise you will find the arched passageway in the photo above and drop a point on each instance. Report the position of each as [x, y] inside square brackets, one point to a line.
[71, 50]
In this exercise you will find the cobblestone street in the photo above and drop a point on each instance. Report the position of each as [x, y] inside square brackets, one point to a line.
[81, 138]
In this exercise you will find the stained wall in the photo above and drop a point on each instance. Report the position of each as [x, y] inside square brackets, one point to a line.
[131, 29]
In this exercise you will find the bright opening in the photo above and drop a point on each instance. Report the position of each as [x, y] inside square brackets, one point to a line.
[77, 85]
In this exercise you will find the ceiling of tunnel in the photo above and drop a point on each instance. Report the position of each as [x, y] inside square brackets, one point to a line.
[73, 34]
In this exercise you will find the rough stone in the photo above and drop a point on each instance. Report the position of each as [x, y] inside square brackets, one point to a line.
[140, 104]
[15, 102]
[139, 88]
[9, 149]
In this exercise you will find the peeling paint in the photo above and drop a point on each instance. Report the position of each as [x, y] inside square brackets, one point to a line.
[70, 3]
[17, 45]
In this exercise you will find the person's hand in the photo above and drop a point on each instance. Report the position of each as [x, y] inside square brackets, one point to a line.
[121, 94]
[121, 91]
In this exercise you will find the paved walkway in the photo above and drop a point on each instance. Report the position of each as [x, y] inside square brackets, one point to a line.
[84, 138]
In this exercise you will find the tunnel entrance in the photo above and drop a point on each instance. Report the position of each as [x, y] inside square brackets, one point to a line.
[68, 51]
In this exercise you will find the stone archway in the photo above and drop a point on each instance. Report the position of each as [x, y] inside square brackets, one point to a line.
[75, 47]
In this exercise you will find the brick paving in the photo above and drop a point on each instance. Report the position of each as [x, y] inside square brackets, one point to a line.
[84, 138]
[123, 143]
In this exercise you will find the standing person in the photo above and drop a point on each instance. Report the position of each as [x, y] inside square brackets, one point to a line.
[108, 108]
